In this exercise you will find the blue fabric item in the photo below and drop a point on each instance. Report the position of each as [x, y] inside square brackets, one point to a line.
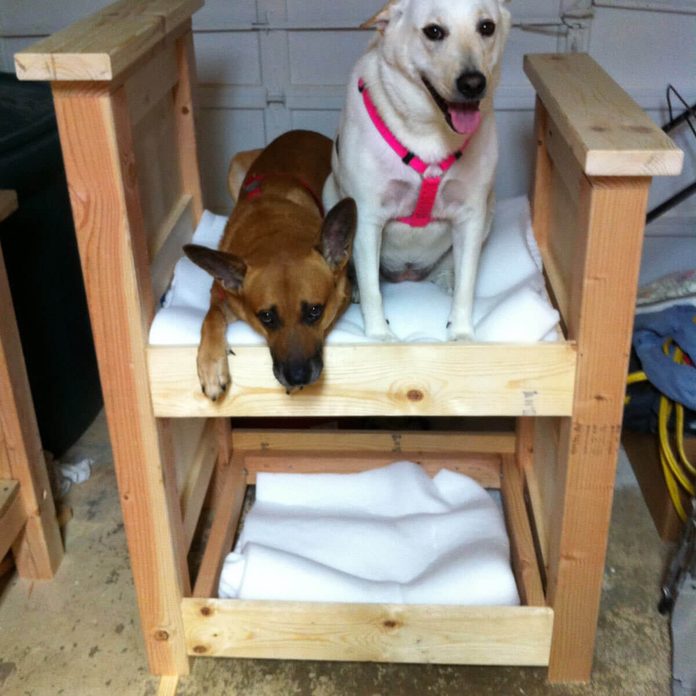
[678, 382]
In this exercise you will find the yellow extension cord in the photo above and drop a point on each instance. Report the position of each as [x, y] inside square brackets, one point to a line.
[677, 470]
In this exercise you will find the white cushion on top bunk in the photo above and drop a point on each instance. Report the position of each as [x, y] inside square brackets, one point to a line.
[511, 302]
[390, 534]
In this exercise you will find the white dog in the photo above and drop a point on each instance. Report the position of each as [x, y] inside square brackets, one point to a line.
[417, 150]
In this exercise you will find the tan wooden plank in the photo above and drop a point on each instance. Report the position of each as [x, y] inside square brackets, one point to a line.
[152, 83]
[12, 515]
[368, 632]
[474, 379]
[222, 531]
[97, 143]
[168, 685]
[607, 132]
[105, 44]
[8, 203]
[396, 442]
[540, 193]
[523, 556]
[484, 468]
[184, 116]
[40, 549]
[176, 230]
[612, 216]
[198, 479]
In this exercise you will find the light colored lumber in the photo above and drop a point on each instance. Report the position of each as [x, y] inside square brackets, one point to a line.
[607, 132]
[611, 221]
[154, 82]
[222, 532]
[184, 123]
[97, 143]
[198, 480]
[176, 230]
[8, 203]
[483, 467]
[12, 514]
[523, 556]
[168, 685]
[40, 548]
[368, 632]
[450, 379]
[106, 43]
[396, 442]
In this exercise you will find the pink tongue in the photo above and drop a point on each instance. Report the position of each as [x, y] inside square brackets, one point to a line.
[465, 118]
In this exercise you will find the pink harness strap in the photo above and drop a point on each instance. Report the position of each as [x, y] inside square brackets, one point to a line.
[422, 213]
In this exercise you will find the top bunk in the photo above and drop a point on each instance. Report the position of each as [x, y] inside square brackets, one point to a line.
[123, 82]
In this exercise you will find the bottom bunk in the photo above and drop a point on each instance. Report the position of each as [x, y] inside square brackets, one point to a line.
[378, 632]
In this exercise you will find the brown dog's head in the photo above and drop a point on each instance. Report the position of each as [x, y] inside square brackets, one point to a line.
[292, 299]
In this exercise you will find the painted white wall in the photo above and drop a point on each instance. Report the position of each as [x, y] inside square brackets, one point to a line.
[266, 66]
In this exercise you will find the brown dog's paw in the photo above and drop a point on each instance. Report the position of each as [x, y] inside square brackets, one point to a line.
[214, 374]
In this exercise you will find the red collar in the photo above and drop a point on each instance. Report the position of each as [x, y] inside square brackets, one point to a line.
[422, 213]
[251, 186]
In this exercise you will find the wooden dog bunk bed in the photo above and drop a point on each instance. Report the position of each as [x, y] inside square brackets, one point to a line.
[123, 84]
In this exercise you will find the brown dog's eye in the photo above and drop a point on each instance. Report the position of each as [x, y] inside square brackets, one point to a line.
[269, 318]
[486, 27]
[311, 313]
[434, 32]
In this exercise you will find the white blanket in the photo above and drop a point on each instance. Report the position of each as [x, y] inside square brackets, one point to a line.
[388, 535]
[511, 301]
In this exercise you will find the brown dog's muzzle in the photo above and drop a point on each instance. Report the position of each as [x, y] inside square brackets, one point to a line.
[298, 370]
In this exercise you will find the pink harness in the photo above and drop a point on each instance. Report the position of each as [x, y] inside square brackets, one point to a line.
[422, 213]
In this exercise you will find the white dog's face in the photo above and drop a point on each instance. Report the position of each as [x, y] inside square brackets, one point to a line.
[451, 47]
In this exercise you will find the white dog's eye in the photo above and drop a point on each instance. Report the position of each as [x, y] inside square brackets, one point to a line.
[434, 32]
[486, 27]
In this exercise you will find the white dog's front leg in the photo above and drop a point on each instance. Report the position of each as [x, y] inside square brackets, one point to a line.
[467, 238]
[366, 251]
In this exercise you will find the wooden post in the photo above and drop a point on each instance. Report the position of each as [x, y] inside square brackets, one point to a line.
[96, 137]
[612, 217]
[38, 550]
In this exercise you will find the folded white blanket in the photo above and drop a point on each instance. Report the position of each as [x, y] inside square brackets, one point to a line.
[387, 535]
[511, 302]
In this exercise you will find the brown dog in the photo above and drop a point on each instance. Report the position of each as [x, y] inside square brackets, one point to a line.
[281, 266]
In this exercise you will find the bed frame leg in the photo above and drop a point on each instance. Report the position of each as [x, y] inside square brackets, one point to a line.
[96, 135]
[612, 217]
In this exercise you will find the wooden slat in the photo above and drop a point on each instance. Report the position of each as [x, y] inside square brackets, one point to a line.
[12, 514]
[40, 550]
[222, 531]
[368, 632]
[106, 43]
[607, 132]
[198, 480]
[482, 467]
[152, 83]
[474, 379]
[97, 142]
[523, 556]
[8, 203]
[395, 442]
[176, 230]
[168, 685]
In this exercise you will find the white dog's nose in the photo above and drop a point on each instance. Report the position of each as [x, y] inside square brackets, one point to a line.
[471, 84]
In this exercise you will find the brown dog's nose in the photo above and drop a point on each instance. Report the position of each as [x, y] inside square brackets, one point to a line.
[299, 372]
[471, 84]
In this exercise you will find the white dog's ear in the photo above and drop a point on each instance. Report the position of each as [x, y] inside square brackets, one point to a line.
[383, 17]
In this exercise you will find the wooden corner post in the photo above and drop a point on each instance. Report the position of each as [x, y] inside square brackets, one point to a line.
[116, 78]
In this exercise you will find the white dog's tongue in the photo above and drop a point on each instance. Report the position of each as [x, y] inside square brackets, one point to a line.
[465, 119]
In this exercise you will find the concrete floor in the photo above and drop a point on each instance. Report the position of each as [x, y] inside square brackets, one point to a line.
[79, 634]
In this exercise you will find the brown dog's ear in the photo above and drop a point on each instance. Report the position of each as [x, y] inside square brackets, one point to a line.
[382, 18]
[337, 233]
[227, 269]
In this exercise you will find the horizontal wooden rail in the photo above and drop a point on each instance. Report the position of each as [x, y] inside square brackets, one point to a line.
[607, 132]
